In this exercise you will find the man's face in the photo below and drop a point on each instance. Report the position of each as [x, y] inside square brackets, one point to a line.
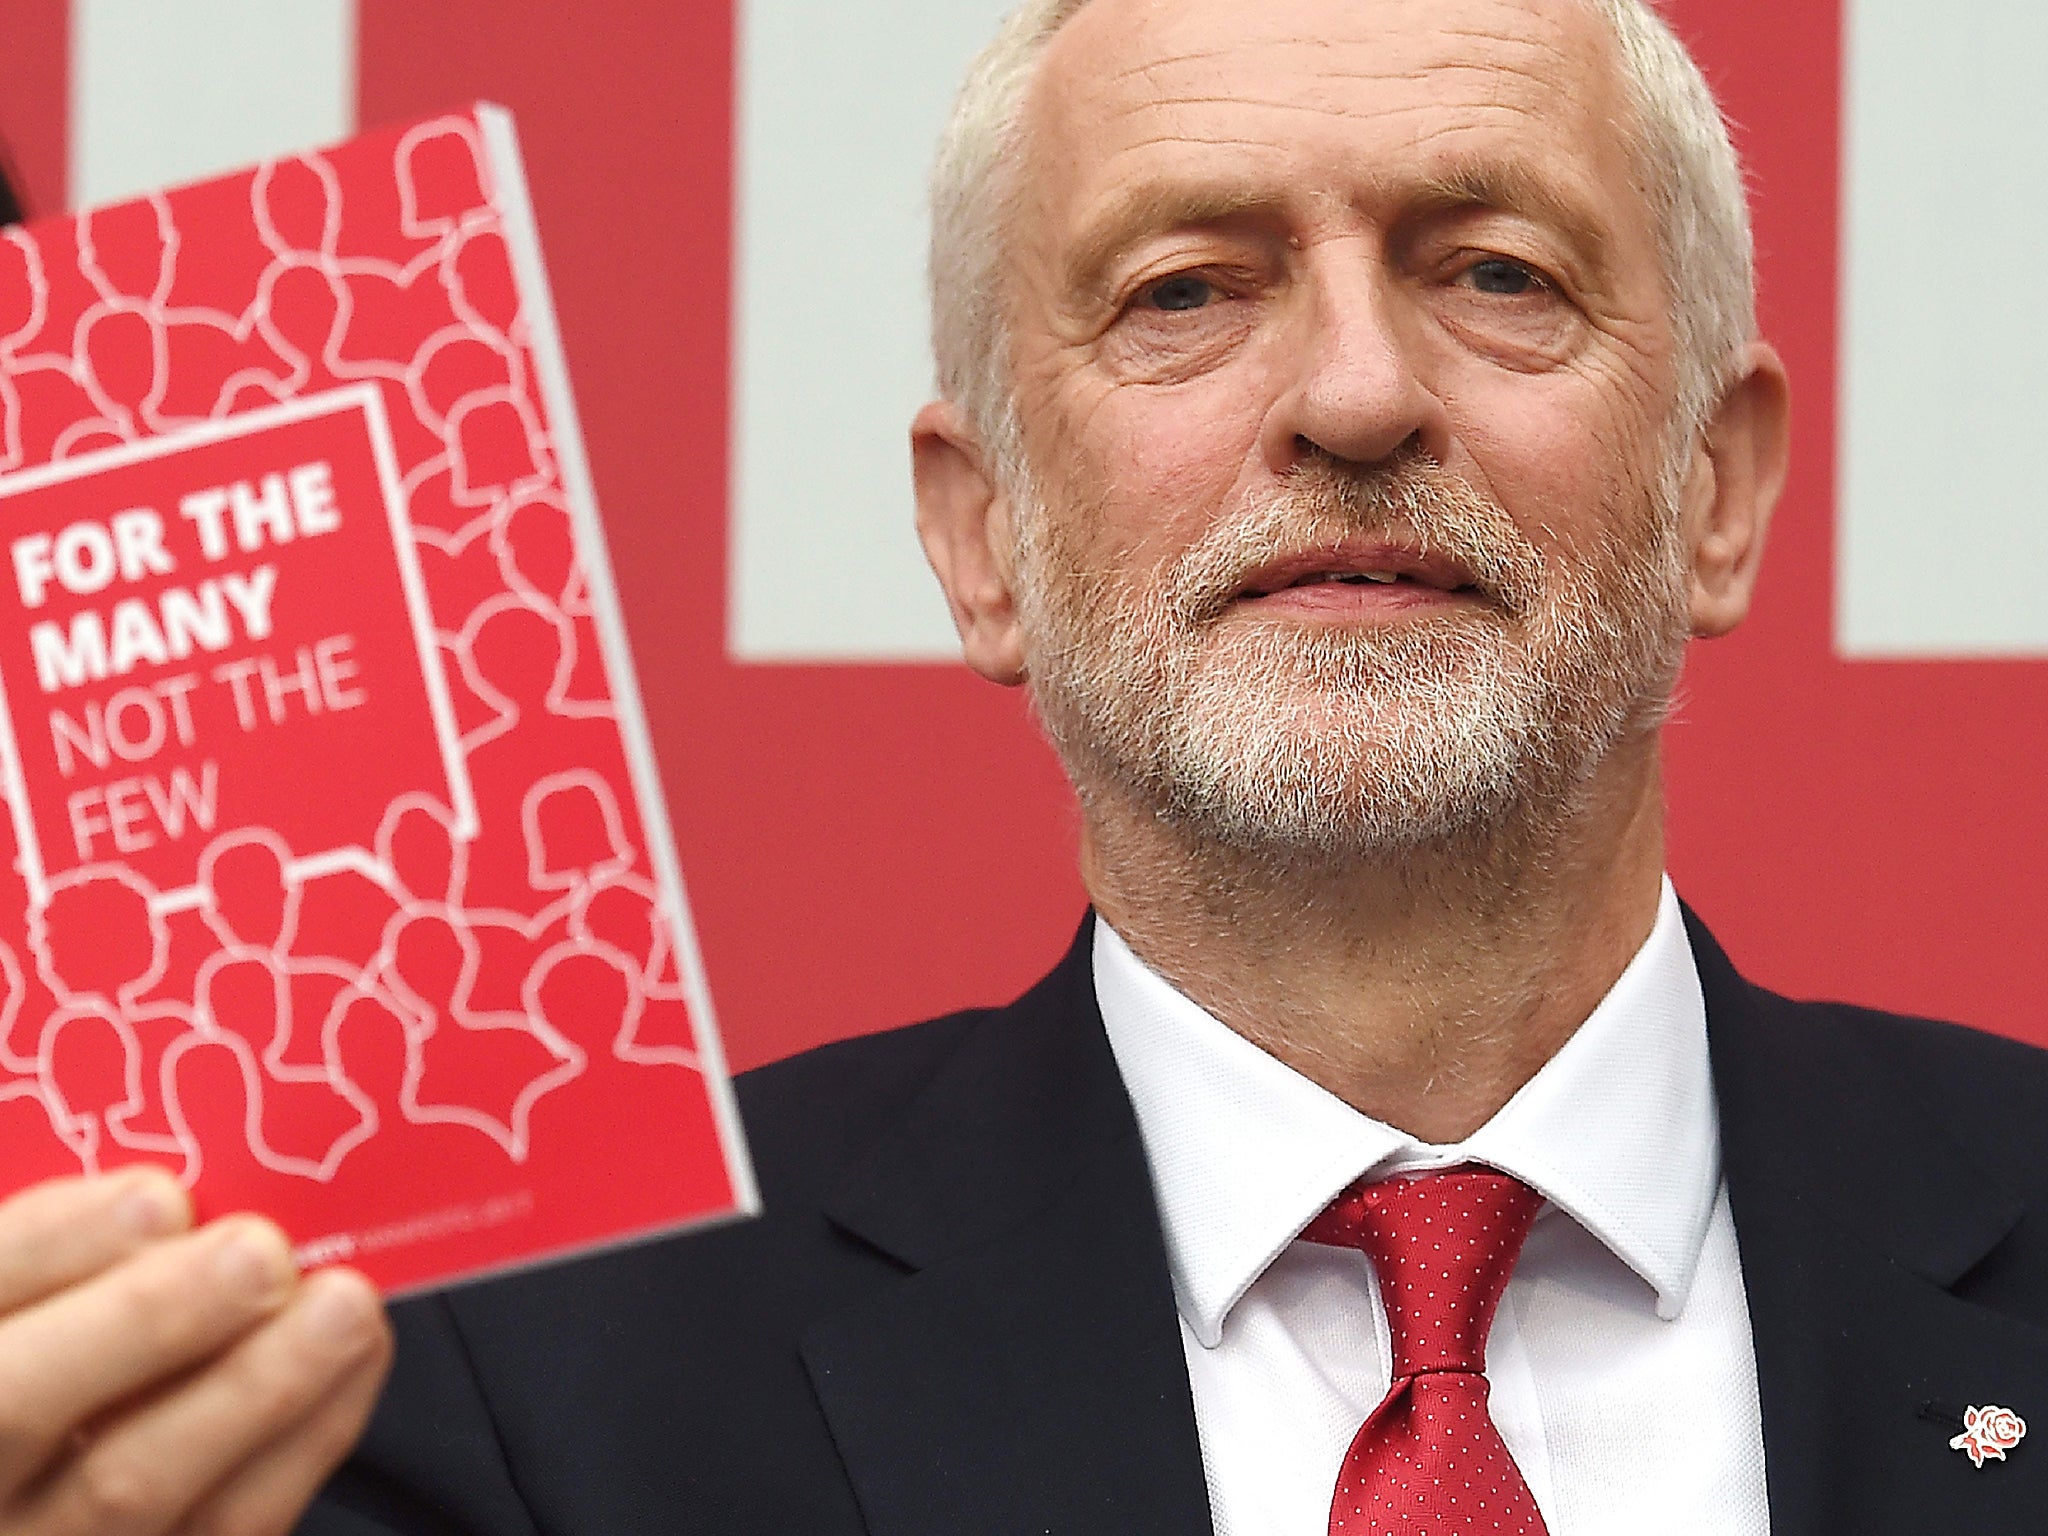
[1346, 382]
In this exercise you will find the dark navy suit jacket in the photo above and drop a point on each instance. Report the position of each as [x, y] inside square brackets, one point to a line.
[956, 1316]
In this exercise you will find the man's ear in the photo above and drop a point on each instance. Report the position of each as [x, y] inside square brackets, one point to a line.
[963, 519]
[1738, 469]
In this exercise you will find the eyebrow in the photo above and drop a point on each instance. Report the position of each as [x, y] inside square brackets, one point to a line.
[1505, 186]
[1157, 208]
[1508, 186]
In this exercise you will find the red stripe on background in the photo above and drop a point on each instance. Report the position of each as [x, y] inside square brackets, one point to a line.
[35, 88]
[1862, 830]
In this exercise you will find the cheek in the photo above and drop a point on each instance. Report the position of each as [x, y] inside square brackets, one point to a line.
[1558, 456]
[1164, 462]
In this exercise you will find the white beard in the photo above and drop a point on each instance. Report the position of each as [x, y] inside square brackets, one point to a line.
[1290, 738]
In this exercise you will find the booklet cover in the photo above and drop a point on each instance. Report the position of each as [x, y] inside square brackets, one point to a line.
[340, 879]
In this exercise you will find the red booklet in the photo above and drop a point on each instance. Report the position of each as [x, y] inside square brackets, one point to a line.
[341, 882]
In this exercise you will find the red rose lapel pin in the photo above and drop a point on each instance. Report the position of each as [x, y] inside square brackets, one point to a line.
[1988, 1433]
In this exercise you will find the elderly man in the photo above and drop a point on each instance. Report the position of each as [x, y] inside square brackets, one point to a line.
[1351, 408]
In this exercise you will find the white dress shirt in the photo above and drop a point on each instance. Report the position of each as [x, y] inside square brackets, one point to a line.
[1623, 1376]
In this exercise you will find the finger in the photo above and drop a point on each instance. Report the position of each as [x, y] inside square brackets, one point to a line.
[56, 1234]
[295, 1389]
[271, 1490]
[69, 1358]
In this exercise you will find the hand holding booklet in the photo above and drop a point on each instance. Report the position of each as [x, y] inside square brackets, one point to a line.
[341, 883]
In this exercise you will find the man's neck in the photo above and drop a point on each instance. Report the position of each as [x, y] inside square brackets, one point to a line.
[1424, 991]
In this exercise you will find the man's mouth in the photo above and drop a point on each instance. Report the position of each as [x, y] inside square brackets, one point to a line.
[1360, 575]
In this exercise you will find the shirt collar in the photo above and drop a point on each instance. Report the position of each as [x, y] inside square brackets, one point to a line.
[1618, 1129]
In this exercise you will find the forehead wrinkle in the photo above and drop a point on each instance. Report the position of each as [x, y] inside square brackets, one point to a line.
[1553, 42]
[1330, 109]
[1153, 66]
[1503, 78]
[1555, 50]
[1087, 123]
[1369, 112]
[1210, 140]
[1525, 76]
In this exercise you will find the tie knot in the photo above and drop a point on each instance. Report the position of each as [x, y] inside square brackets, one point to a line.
[1443, 1247]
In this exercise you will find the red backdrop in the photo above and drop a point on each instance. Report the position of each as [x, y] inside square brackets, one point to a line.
[865, 845]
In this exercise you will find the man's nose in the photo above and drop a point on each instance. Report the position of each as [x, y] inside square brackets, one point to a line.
[1353, 390]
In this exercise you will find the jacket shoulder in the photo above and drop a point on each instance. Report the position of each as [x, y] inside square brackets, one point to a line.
[807, 1116]
[1896, 1076]
[1988, 1091]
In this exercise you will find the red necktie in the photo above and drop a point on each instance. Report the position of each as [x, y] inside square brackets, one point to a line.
[1429, 1461]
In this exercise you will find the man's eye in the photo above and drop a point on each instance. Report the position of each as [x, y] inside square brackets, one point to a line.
[1499, 275]
[1179, 293]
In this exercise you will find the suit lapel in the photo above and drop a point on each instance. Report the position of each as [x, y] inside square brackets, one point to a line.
[1027, 1373]
[1856, 1217]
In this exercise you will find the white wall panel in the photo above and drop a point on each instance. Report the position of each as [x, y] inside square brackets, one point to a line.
[167, 91]
[1943, 525]
[840, 105]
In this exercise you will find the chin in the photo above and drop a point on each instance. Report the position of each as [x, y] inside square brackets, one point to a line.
[1294, 769]
[1258, 784]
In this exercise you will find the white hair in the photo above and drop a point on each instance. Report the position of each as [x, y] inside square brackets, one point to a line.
[1685, 161]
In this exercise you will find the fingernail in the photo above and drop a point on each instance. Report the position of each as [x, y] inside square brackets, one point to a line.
[254, 1259]
[340, 1313]
[152, 1206]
